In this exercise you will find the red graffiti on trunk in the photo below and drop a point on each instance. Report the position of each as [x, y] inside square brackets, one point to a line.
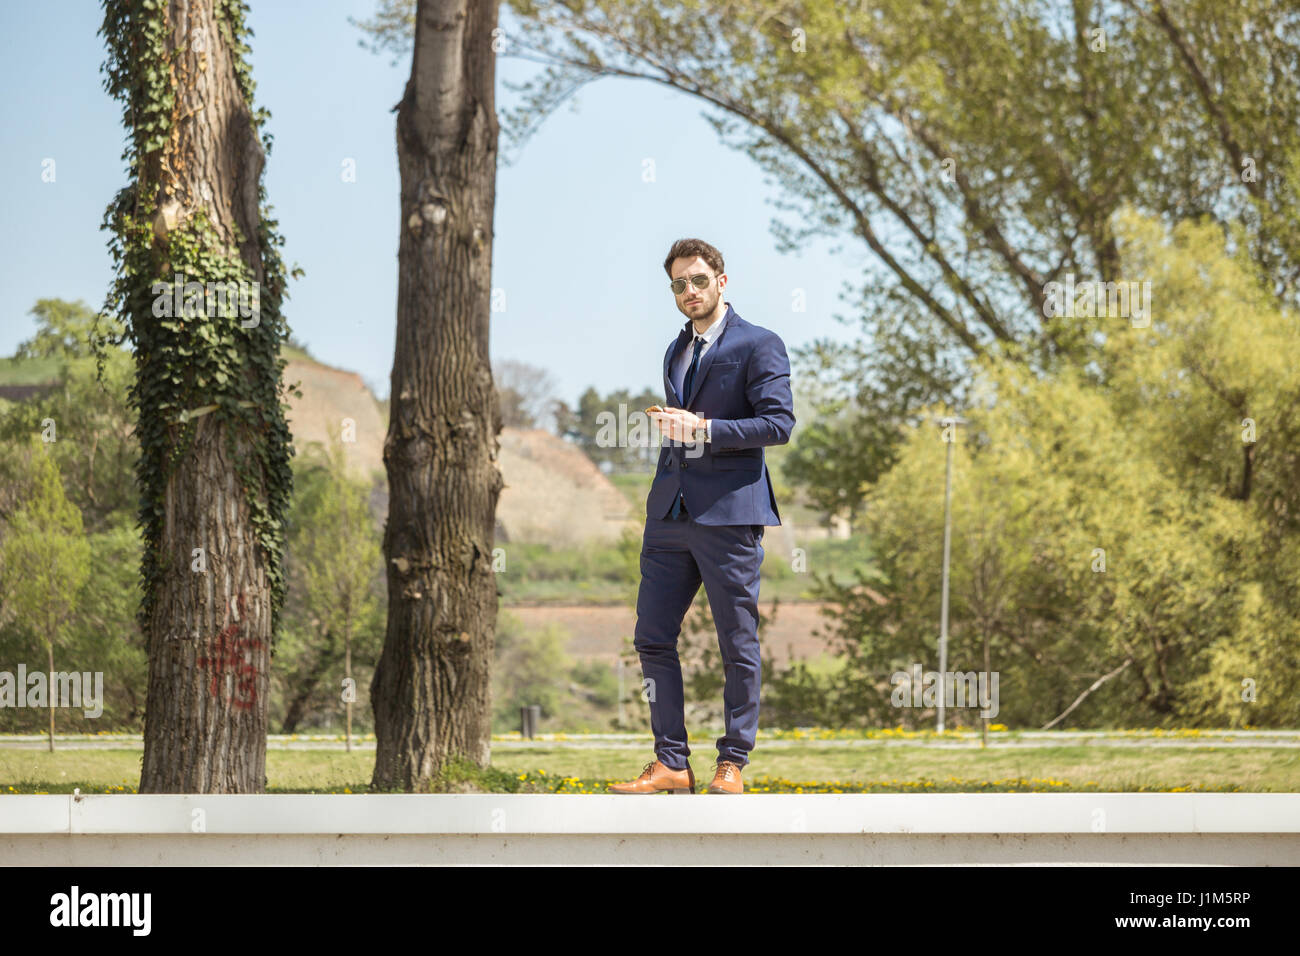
[231, 655]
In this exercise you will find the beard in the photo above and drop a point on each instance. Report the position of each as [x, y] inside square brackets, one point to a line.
[705, 306]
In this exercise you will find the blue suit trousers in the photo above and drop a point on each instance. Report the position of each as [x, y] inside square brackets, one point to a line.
[676, 556]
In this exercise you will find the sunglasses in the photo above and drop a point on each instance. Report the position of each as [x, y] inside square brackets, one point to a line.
[699, 281]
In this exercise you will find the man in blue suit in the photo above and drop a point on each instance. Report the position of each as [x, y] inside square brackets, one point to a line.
[728, 389]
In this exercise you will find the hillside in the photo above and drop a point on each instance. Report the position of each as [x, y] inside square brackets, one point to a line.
[554, 494]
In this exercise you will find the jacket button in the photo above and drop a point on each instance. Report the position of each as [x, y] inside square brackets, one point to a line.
[684, 464]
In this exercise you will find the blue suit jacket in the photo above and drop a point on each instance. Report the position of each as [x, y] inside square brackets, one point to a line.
[743, 385]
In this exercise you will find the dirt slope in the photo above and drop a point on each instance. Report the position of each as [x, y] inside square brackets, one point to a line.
[553, 492]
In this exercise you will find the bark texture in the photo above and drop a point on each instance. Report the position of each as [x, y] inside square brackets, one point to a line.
[431, 692]
[210, 630]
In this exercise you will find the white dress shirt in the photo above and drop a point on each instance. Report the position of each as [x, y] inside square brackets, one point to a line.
[684, 362]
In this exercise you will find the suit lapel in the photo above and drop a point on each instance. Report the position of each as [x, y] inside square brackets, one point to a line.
[707, 359]
[670, 391]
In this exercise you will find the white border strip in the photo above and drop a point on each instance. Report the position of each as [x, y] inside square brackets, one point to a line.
[557, 814]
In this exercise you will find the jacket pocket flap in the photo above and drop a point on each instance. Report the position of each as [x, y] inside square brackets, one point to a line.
[737, 462]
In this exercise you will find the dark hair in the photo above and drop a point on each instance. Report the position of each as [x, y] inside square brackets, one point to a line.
[689, 249]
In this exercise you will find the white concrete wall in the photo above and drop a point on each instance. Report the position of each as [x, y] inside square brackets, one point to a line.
[1157, 828]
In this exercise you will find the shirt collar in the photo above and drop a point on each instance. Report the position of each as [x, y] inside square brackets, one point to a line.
[713, 330]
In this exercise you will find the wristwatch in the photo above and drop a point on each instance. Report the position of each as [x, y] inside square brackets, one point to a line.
[701, 432]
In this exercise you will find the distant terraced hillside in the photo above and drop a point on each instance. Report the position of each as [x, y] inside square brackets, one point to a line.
[553, 494]
[331, 399]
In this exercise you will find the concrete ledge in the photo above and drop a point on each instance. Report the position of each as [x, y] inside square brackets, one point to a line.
[413, 829]
[818, 849]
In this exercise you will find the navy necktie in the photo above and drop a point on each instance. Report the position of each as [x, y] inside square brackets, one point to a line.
[680, 504]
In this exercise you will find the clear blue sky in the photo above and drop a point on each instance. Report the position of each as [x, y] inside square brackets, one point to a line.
[580, 238]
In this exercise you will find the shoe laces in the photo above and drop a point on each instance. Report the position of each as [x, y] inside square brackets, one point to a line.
[726, 769]
[648, 769]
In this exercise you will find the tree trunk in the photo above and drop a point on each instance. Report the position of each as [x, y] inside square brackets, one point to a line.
[304, 686]
[50, 656]
[210, 625]
[431, 692]
[984, 726]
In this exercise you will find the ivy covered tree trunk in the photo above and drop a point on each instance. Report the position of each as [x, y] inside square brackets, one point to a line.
[431, 692]
[199, 285]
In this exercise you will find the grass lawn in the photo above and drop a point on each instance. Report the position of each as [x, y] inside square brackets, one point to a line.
[33, 371]
[811, 768]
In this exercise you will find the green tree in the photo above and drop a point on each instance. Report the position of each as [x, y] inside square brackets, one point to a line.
[46, 562]
[335, 557]
[84, 414]
[530, 669]
[1102, 545]
[104, 631]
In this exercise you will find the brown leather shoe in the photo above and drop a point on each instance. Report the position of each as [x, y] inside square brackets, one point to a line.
[656, 778]
[727, 779]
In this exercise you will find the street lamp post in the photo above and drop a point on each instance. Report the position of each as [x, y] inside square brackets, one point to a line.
[949, 436]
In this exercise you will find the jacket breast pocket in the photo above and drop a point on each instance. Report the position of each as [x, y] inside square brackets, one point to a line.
[726, 372]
